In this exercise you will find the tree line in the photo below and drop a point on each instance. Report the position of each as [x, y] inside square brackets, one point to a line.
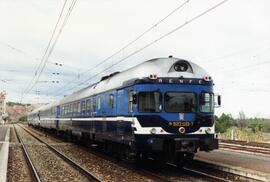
[226, 121]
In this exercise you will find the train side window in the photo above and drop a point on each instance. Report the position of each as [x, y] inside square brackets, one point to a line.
[94, 104]
[111, 101]
[83, 106]
[69, 109]
[67, 106]
[99, 103]
[62, 111]
[74, 108]
[130, 101]
[88, 105]
[65, 110]
[79, 107]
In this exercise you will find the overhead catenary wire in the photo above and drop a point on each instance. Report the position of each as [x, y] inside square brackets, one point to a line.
[12, 47]
[141, 35]
[152, 42]
[133, 41]
[46, 50]
[238, 53]
[19, 50]
[56, 39]
[54, 31]
[246, 67]
[45, 60]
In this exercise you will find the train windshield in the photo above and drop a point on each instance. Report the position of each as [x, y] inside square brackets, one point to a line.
[149, 101]
[180, 102]
[208, 102]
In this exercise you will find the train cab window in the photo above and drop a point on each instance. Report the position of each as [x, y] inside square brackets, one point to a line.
[150, 101]
[94, 104]
[111, 101]
[207, 102]
[180, 102]
[99, 103]
[88, 105]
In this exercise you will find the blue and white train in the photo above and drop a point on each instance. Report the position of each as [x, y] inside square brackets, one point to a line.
[164, 106]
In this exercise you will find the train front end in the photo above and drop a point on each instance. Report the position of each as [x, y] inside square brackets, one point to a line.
[174, 116]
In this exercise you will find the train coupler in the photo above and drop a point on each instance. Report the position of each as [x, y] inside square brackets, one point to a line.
[186, 145]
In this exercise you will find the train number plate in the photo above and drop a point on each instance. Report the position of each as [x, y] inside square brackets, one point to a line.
[184, 123]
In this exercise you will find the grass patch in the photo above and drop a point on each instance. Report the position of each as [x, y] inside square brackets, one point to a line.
[245, 134]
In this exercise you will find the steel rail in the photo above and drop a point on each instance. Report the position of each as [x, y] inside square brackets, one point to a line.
[205, 174]
[141, 171]
[87, 173]
[242, 148]
[197, 172]
[150, 174]
[27, 157]
[154, 175]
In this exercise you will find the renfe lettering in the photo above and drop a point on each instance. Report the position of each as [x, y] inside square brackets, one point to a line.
[182, 81]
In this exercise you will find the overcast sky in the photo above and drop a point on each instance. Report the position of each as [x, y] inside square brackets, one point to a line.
[232, 42]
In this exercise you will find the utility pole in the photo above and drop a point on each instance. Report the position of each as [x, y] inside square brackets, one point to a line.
[2, 107]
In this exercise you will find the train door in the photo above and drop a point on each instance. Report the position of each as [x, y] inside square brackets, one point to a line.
[121, 102]
[38, 115]
[57, 117]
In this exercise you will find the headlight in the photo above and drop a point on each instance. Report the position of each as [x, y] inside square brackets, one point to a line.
[153, 131]
[181, 66]
[208, 130]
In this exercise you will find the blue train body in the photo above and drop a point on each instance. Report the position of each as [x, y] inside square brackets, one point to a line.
[164, 105]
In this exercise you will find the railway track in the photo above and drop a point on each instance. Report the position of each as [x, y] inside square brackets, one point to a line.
[213, 177]
[88, 176]
[149, 174]
[245, 148]
[157, 176]
[190, 170]
[56, 142]
[246, 143]
[27, 157]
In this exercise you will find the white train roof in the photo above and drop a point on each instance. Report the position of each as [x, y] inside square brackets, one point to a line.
[162, 67]
[45, 107]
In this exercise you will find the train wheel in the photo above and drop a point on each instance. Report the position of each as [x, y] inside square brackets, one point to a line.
[160, 160]
[180, 160]
[189, 157]
[140, 159]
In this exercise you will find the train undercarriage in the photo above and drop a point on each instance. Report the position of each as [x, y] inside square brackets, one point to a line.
[177, 150]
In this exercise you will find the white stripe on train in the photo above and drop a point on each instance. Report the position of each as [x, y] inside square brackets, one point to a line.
[135, 124]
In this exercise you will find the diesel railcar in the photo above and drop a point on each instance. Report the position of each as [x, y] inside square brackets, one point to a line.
[162, 107]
